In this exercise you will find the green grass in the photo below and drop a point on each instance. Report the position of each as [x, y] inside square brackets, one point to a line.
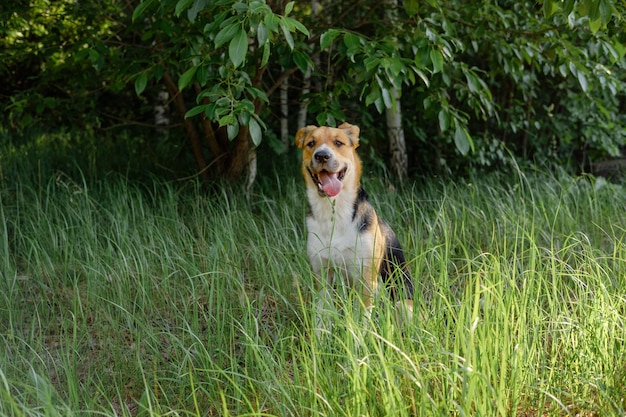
[125, 299]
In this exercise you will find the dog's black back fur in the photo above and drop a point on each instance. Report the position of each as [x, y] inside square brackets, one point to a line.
[393, 268]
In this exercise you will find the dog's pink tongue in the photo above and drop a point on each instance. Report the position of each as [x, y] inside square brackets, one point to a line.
[330, 183]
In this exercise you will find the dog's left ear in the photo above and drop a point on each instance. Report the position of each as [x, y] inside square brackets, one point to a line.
[302, 134]
[352, 132]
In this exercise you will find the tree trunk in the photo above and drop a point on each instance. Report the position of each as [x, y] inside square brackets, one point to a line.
[190, 130]
[395, 135]
[316, 7]
[162, 114]
[252, 170]
[242, 154]
[218, 150]
[395, 131]
[239, 154]
[306, 88]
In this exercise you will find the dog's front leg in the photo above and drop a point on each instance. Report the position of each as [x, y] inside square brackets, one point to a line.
[324, 302]
[369, 288]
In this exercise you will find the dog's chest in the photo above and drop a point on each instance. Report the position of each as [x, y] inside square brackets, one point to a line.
[334, 239]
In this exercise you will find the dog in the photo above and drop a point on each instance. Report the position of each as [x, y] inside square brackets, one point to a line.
[346, 238]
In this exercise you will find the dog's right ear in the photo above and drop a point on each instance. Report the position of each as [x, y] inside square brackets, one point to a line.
[302, 134]
[352, 132]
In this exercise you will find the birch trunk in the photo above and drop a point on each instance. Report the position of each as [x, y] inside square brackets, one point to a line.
[395, 135]
[316, 6]
[162, 114]
[395, 131]
[306, 89]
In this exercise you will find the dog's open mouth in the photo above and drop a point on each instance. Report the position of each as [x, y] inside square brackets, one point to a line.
[328, 183]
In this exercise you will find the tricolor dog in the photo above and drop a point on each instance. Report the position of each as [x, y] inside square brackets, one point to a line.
[346, 238]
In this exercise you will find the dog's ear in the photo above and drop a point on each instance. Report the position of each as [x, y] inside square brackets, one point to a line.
[302, 134]
[352, 132]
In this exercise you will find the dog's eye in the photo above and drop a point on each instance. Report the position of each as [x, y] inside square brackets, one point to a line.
[311, 144]
[338, 143]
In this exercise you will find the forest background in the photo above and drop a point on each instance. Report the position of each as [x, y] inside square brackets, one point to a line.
[218, 88]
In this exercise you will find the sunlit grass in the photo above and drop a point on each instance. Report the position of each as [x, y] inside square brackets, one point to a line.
[127, 299]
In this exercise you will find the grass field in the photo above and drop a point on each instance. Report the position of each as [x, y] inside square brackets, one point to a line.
[126, 299]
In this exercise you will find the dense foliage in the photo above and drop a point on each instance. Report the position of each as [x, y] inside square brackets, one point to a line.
[480, 80]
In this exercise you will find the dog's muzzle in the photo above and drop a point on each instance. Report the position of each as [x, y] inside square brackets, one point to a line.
[326, 172]
[328, 183]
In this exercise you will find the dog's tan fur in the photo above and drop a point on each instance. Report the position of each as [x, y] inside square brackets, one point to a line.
[345, 235]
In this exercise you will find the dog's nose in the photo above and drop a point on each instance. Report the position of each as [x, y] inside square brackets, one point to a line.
[322, 156]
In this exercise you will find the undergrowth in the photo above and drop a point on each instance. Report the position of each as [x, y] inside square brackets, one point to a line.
[118, 298]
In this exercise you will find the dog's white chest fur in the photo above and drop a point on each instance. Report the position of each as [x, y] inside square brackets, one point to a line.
[334, 242]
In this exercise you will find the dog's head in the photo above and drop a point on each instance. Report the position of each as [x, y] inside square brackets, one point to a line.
[329, 159]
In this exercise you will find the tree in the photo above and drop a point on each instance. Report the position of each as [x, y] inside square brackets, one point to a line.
[477, 81]
[45, 76]
[227, 48]
[395, 130]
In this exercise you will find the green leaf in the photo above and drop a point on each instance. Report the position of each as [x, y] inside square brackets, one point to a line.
[387, 98]
[352, 41]
[259, 7]
[97, 60]
[371, 63]
[299, 26]
[186, 78]
[373, 95]
[472, 81]
[257, 93]
[302, 60]
[422, 58]
[195, 111]
[181, 6]
[141, 82]
[423, 76]
[592, 8]
[244, 116]
[444, 120]
[271, 21]
[462, 140]
[606, 11]
[322, 118]
[328, 37]
[193, 11]
[227, 120]
[380, 106]
[568, 6]
[287, 35]
[266, 54]
[226, 34]
[238, 48]
[411, 7]
[595, 25]
[619, 47]
[242, 7]
[289, 7]
[232, 130]
[550, 7]
[261, 34]
[255, 132]
[437, 59]
[397, 66]
[141, 8]
[582, 79]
